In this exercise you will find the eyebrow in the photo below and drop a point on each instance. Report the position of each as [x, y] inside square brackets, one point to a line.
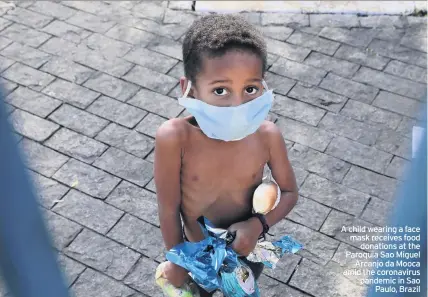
[228, 80]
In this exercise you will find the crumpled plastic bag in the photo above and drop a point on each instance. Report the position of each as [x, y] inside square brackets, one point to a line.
[213, 264]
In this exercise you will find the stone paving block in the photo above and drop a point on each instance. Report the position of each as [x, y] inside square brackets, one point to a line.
[9, 108]
[313, 161]
[340, 67]
[377, 212]
[61, 47]
[364, 57]
[188, 17]
[397, 167]
[90, 22]
[150, 59]
[334, 195]
[333, 20]
[71, 268]
[141, 278]
[28, 17]
[127, 140]
[345, 236]
[371, 115]
[271, 58]
[310, 30]
[316, 246]
[151, 185]
[48, 190]
[5, 63]
[156, 103]
[286, 50]
[126, 166]
[111, 86]
[395, 143]
[410, 72]
[34, 102]
[318, 97]
[67, 31]
[40, 158]
[276, 32]
[395, 51]
[52, 9]
[62, 230]
[149, 10]
[32, 126]
[300, 175]
[94, 284]
[150, 79]
[150, 124]
[4, 23]
[27, 76]
[130, 35]
[180, 5]
[415, 38]
[136, 201]
[279, 84]
[171, 31]
[106, 45]
[270, 287]
[349, 88]
[370, 183]
[177, 71]
[383, 21]
[309, 213]
[102, 254]
[314, 42]
[25, 54]
[71, 93]
[352, 129]
[87, 211]
[4, 42]
[68, 70]
[90, 7]
[297, 110]
[176, 92]
[298, 71]
[116, 111]
[304, 134]
[110, 65]
[406, 126]
[23, 34]
[8, 86]
[86, 178]
[390, 83]
[335, 221]
[359, 154]
[321, 281]
[167, 47]
[284, 268]
[354, 38]
[396, 103]
[390, 34]
[292, 20]
[78, 120]
[128, 232]
[415, 21]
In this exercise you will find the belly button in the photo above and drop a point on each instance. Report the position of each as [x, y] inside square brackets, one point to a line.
[195, 178]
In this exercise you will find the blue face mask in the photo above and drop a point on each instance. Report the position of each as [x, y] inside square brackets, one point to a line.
[229, 123]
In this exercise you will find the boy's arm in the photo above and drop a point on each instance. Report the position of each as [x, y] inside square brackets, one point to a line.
[283, 174]
[167, 167]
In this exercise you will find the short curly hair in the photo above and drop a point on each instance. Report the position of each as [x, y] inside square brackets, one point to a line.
[213, 35]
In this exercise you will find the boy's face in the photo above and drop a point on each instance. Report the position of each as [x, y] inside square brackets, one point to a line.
[229, 80]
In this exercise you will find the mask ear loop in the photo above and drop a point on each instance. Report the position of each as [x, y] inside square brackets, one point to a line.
[265, 85]
[189, 85]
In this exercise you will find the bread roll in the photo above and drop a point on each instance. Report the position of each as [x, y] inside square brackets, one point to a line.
[266, 197]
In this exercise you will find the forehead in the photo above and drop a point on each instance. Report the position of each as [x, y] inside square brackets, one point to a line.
[233, 65]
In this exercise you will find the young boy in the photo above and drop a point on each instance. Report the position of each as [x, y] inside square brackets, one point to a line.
[209, 164]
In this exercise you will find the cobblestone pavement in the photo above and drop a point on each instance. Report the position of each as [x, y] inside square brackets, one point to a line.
[89, 82]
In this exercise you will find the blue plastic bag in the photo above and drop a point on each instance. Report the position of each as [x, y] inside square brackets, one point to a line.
[213, 264]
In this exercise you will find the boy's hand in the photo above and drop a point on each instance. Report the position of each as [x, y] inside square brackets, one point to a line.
[175, 274]
[247, 235]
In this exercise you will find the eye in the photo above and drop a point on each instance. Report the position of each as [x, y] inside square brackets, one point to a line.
[220, 92]
[251, 90]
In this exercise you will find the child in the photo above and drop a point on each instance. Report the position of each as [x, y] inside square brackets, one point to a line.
[209, 164]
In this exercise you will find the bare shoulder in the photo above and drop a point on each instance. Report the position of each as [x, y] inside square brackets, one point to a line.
[270, 132]
[172, 132]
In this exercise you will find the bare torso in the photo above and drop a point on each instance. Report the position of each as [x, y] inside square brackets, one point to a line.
[218, 178]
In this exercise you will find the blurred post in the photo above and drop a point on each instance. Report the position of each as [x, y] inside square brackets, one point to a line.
[27, 261]
[411, 210]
